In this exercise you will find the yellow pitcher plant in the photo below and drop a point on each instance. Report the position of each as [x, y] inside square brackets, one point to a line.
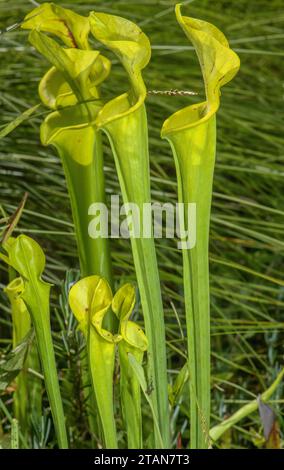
[90, 298]
[124, 121]
[191, 133]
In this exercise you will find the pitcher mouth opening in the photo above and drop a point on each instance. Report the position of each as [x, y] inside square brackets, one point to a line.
[74, 117]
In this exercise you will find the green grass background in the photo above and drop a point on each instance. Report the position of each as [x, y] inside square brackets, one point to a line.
[246, 249]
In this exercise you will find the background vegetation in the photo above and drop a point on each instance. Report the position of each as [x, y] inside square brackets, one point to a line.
[247, 283]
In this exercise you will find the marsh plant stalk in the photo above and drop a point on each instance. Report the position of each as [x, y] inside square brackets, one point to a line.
[132, 163]
[195, 179]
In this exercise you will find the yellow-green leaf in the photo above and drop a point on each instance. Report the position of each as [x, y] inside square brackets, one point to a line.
[28, 259]
[74, 64]
[133, 49]
[71, 28]
[90, 298]
[123, 304]
[191, 133]
[124, 121]
[219, 64]
[20, 316]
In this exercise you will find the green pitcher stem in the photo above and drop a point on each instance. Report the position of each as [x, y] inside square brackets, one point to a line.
[129, 142]
[130, 396]
[191, 132]
[101, 363]
[27, 258]
[144, 255]
[90, 299]
[86, 186]
[194, 153]
[46, 352]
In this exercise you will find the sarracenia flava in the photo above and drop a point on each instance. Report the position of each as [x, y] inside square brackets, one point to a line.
[191, 133]
[124, 121]
[71, 89]
[26, 257]
[90, 298]
[73, 81]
